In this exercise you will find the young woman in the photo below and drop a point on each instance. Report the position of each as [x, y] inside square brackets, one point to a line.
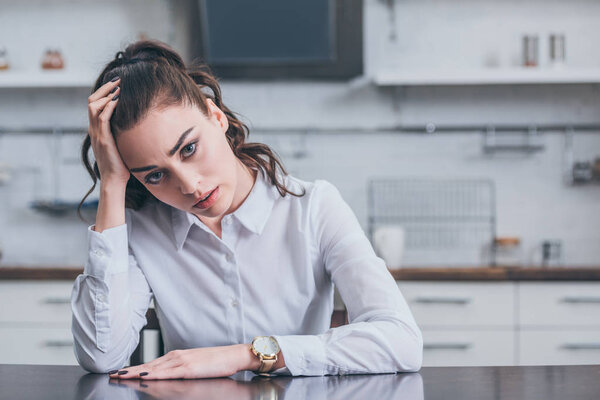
[228, 245]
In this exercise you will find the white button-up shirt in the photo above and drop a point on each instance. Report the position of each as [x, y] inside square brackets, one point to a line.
[272, 273]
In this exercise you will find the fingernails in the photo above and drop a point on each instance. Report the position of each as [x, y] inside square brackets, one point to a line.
[115, 79]
[122, 372]
[114, 89]
[143, 373]
[114, 371]
[115, 98]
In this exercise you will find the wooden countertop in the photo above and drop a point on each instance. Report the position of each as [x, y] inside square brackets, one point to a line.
[465, 383]
[591, 273]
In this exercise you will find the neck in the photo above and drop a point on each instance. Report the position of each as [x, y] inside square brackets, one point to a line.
[245, 182]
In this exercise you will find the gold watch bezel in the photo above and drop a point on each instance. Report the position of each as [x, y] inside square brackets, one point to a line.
[260, 354]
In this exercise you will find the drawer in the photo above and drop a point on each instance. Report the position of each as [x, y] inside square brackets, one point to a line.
[559, 347]
[36, 346]
[468, 347]
[460, 304]
[559, 304]
[26, 301]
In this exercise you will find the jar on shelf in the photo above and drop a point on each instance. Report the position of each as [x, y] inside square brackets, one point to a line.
[508, 252]
[53, 59]
[4, 64]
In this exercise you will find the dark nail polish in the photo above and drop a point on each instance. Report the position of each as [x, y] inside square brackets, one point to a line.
[143, 385]
[114, 371]
[114, 89]
[115, 98]
[143, 373]
[123, 372]
[114, 79]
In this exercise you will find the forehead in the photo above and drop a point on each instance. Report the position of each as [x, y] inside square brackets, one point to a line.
[151, 139]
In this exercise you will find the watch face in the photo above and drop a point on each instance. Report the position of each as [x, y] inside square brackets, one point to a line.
[266, 345]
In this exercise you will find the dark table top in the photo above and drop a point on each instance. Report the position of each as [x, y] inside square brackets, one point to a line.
[463, 383]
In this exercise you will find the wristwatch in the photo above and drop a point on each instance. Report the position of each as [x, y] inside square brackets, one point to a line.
[266, 349]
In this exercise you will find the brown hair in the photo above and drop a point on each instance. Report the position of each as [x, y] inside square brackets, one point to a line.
[154, 75]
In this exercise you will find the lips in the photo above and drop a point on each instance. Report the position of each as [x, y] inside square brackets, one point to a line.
[203, 197]
[208, 200]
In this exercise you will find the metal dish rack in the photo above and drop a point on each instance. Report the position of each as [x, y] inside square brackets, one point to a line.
[446, 221]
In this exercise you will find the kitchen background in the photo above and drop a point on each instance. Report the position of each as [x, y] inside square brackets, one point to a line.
[443, 98]
[342, 131]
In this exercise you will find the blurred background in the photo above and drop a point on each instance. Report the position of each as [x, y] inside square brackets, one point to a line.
[464, 135]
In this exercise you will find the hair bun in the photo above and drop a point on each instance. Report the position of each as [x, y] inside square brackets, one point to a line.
[150, 50]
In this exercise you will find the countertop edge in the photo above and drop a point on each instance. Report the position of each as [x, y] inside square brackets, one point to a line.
[590, 273]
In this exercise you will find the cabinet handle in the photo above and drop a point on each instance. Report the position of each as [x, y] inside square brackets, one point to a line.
[581, 346]
[442, 300]
[57, 300]
[581, 299]
[58, 343]
[446, 346]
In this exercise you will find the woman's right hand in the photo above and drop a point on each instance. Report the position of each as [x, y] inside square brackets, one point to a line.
[101, 105]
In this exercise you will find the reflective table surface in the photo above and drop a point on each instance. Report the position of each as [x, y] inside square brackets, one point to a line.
[464, 383]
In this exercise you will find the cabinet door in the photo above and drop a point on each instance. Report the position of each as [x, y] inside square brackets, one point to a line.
[36, 346]
[460, 304]
[468, 347]
[559, 304]
[42, 302]
[559, 347]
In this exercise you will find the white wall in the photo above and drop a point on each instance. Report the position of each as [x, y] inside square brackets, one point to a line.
[533, 201]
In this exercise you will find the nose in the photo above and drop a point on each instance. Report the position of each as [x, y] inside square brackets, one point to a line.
[188, 181]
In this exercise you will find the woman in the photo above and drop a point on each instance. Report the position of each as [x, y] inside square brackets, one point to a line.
[228, 244]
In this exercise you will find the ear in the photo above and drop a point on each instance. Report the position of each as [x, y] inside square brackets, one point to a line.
[217, 115]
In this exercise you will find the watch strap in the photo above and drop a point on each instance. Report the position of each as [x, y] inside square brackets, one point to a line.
[267, 364]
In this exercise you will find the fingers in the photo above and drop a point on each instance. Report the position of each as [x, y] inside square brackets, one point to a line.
[109, 107]
[103, 90]
[96, 108]
[144, 371]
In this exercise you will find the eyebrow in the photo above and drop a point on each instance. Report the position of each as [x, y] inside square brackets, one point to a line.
[171, 152]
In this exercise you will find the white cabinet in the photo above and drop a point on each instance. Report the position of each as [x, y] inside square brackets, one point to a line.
[468, 347]
[464, 323]
[559, 323]
[506, 323]
[559, 304]
[35, 323]
[460, 304]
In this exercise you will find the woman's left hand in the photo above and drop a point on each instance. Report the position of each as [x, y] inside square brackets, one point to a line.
[205, 362]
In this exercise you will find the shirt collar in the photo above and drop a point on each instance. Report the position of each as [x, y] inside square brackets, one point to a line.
[253, 213]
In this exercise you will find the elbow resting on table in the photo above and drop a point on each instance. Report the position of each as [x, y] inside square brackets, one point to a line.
[409, 348]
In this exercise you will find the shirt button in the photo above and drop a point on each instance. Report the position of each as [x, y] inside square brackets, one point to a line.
[229, 258]
[234, 303]
[99, 253]
[228, 220]
[101, 298]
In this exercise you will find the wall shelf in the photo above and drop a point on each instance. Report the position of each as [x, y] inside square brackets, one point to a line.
[20, 79]
[513, 76]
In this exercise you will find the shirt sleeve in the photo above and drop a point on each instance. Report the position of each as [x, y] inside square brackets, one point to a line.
[382, 335]
[108, 302]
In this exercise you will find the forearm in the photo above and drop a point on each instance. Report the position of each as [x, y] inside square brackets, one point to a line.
[111, 206]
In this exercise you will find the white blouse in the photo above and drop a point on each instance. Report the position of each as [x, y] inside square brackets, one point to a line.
[272, 273]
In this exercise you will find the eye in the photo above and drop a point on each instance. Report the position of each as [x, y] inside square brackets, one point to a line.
[149, 178]
[189, 149]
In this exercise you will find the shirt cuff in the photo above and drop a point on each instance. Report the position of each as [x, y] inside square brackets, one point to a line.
[303, 354]
[107, 252]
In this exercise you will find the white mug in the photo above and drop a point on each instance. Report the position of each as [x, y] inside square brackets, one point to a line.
[388, 241]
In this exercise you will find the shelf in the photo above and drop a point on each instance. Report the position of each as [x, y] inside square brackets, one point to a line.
[515, 76]
[13, 79]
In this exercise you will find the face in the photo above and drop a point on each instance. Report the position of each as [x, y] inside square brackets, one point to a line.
[181, 156]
